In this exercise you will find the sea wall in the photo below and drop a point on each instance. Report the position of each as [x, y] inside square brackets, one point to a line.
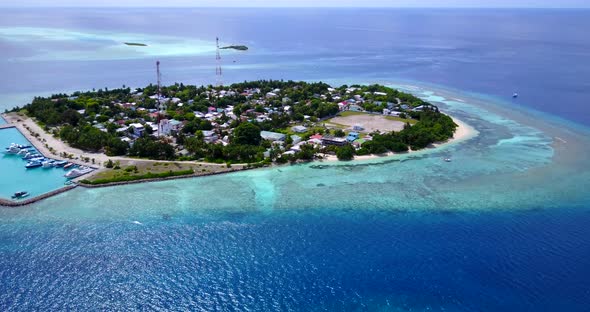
[194, 175]
[14, 203]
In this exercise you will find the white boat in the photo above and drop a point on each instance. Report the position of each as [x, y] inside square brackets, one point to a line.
[48, 163]
[60, 163]
[74, 173]
[33, 164]
[22, 152]
[32, 155]
[12, 149]
[515, 95]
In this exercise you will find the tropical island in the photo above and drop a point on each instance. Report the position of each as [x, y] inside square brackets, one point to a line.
[236, 47]
[135, 44]
[168, 132]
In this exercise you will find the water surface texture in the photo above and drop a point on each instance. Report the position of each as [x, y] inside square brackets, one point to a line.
[503, 227]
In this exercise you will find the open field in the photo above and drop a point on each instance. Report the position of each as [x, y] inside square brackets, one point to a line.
[369, 122]
[141, 168]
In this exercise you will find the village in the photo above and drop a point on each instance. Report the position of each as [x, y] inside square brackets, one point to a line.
[250, 123]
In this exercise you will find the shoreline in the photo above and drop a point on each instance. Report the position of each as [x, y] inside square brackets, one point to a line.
[26, 126]
[463, 133]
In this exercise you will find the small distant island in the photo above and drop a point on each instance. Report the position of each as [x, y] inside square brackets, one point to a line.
[241, 126]
[236, 47]
[136, 44]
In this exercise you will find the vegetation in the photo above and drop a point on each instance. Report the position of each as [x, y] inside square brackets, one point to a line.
[149, 175]
[136, 44]
[345, 152]
[232, 118]
[236, 47]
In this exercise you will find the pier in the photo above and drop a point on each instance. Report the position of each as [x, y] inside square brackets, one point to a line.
[18, 203]
[6, 126]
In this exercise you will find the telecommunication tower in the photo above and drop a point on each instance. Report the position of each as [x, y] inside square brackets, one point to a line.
[161, 105]
[218, 72]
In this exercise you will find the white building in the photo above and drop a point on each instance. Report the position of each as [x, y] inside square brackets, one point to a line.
[138, 129]
[209, 136]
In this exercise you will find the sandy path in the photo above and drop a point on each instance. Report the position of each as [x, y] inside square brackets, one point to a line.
[44, 140]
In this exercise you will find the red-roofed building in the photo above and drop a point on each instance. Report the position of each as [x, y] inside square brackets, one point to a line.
[316, 136]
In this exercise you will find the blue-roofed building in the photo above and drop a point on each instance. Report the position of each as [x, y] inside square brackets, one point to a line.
[352, 136]
[272, 136]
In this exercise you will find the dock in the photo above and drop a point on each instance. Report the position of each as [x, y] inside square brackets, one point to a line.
[6, 126]
[18, 203]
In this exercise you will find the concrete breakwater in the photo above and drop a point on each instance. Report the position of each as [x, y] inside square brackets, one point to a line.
[14, 203]
[194, 175]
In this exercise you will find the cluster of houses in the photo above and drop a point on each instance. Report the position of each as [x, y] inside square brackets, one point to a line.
[220, 118]
[316, 140]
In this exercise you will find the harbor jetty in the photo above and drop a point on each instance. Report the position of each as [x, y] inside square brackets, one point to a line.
[6, 126]
[28, 201]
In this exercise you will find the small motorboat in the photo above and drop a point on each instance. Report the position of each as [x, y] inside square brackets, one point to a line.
[447, 159]
[19, 195]
[41, 159]
[33, 164]
[23, 152]
[12, 149]
[60, 163]
[68, 165]
[48, 163]
[515, 95]
[32, 155]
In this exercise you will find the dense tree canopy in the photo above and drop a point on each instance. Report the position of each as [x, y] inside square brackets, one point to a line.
[246, 134]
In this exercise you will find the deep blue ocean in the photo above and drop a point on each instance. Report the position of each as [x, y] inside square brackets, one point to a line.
[504, 227]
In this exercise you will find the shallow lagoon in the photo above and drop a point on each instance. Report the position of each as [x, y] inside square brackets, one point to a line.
[14, 177]
[509, 164]
[503, 227]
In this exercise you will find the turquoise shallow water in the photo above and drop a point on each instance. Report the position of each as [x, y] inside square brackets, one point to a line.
[511, 163]
[14, 177]
[503, 227]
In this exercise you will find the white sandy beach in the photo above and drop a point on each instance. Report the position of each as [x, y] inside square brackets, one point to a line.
[462, 133]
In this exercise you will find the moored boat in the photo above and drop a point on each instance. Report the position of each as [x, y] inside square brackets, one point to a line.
[22, 152]
[60, 163]
[32, 155]
[33, 164]
[48, 163]
[19, 195]
[68, 165]
[74, 173]
[12, 149]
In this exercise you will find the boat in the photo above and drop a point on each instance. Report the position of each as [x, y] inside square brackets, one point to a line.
[48, 163]
[447, 159]
[19, 195]
[60, 163]
[68, 165]
[21, 146]
[515, 95]
[12, 149]
[32, 155]
[33, 164]
[74, 173]
[22, 152]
